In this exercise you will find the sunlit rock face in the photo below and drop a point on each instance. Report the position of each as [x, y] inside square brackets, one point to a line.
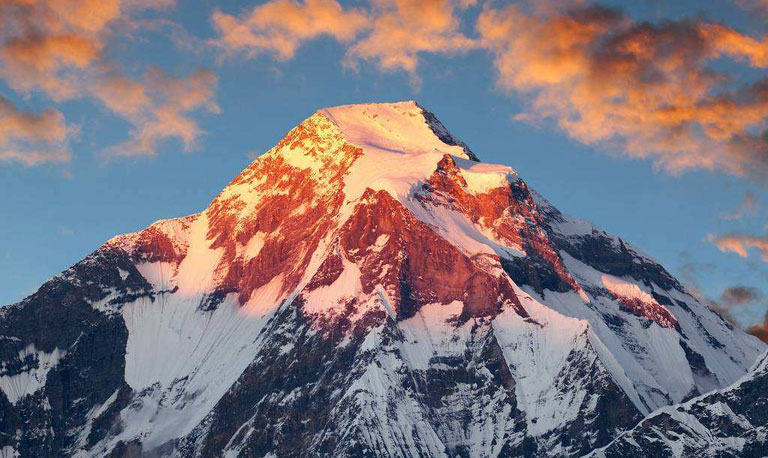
[365, 288]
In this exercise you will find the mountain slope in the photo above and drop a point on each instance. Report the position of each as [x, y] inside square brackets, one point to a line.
[365, 288]
[726, 423]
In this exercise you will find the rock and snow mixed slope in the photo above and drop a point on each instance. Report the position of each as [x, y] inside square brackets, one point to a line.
[365, 288]
[728, 423]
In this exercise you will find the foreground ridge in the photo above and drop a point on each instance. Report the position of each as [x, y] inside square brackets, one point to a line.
[365, 288]
[732, 422]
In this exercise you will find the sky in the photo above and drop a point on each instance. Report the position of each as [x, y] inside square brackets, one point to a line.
[647, 118]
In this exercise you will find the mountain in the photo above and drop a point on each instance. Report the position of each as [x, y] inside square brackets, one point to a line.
[365, 288]
[729, 423]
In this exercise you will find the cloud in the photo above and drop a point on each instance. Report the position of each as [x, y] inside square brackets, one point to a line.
[672, 91]
[758, 6]
[35, 62]
[279, 27]
[748, 206]
[734, 296]
[46, 43]
[741, 244]
[159, 108]
[649, 90]
[33, 138]
[760, 330]
[57, 48]
[390, 33]
[646, 90]
[403, 29]
[740, 295]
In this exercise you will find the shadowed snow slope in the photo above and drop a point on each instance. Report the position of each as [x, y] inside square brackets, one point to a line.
[728, 423]
[365, 288]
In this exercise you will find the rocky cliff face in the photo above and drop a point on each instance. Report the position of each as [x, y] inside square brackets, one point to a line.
[365, 288]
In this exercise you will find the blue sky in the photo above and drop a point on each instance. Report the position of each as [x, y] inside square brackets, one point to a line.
[56, 212]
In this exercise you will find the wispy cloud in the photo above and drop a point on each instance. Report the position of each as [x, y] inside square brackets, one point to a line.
[741, 244]
[643, 89]
[731, 298]
[389, 33]
[646, 89]
[33, 138]
[158, 108]
[740, 295]
[744, 296]
[747, 207]
[57, 48]
[401, 30]
[758, 6]
[689, 273]
[280, 27]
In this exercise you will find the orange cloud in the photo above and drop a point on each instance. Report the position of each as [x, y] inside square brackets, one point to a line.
[56, 47]
[159, 108]
[760, 330]
[121, 95]
[741, 244]
[728, 42]
[646, 89]
[32, 138]
[402, 29]
[391, 33]
[281, 26]
[35, 62]
[44, 41]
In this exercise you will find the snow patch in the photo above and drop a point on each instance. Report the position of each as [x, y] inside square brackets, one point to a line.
[482, 178]
[37, 364]
[623, 288]
[462, 233]
[96, 412]
[159, 274]
[398, 127]
[196, 272]
[381, 242]
[431, 330]
[254, 246]
[8, 452]
[181, 362]
[538, 350]
[384, 301]
[263, 300]
[327, 299]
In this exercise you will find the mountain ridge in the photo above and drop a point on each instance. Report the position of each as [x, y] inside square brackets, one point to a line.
[730, 422]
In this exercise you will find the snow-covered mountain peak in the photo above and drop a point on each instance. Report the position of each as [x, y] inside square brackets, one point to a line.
[364, 288]
[394, 147]
[402, 127]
